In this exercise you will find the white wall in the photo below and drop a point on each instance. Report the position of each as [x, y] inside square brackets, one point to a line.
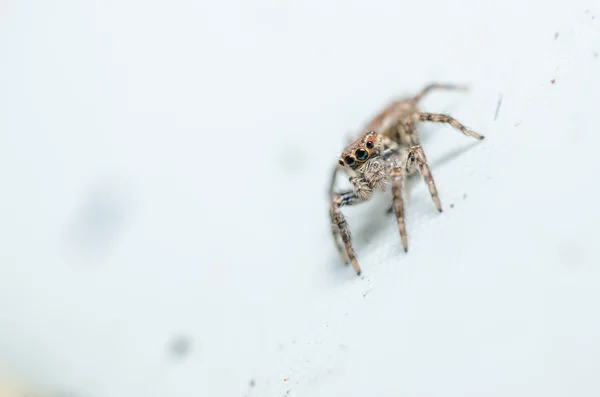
[164, 168]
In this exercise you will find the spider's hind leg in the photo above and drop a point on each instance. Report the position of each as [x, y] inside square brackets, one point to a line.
[437, 86]
[443, 118]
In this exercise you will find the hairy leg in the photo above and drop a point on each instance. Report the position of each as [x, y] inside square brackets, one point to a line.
[442, 118]
[437, 86]
[417, 154]
[397, 178]
[340, 226]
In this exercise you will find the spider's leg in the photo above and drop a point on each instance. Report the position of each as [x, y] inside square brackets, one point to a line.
[336, 239]
[417, 154]
[340, 226]
[442, 118]
[406, 189]
[397, 177]
[335, 229]
[436, 86]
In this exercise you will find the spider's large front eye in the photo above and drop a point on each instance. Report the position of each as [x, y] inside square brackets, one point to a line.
[370, 144]
[361, 154]
[350, 161]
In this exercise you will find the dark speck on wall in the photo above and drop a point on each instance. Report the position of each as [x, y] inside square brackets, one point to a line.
[556, 35]
[553, 81]
[180, 345]
[498, 107]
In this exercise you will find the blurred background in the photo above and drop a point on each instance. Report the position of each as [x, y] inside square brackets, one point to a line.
[164, 223]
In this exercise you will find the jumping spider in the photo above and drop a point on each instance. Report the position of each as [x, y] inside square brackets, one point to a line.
[387, 153]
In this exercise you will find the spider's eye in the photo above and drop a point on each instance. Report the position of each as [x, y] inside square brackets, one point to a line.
[350, 161]
[341, 162]
[370, 144]
[361, 154]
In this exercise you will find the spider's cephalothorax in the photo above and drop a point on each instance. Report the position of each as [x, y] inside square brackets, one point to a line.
[365, 162]
[384, 155]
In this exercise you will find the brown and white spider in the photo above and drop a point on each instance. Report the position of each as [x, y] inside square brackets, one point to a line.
[387, 153]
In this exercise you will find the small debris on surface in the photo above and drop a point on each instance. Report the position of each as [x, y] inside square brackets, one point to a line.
[180, 345]
[595, 54]
[553, 81]
[451, 205]
[556, 35]
[252, 383]
[366, 293]
[464, 196]
[518, 124]
[498, 107]
[286, 379]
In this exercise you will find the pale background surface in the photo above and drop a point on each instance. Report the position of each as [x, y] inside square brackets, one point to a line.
[164, 168]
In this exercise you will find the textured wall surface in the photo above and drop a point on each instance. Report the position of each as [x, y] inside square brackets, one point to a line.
[163, 215]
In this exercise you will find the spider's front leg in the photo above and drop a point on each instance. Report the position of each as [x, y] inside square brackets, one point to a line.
[397, 178]
[416, 158]
[417, 155]
[340, 227]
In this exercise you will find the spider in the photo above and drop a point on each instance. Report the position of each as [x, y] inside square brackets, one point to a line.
[386, 154]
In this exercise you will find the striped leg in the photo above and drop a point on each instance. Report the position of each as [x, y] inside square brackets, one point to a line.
[442, 118]
[397, 178]
[340, 227]
[417, 154]
[437, 86]
[416, 157]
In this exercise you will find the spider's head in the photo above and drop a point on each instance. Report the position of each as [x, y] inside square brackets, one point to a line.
[363, 148]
